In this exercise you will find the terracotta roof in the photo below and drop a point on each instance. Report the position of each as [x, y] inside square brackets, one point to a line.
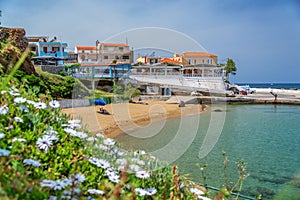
[169, 60]
[86, 47]
[204, 54]
[114, 45]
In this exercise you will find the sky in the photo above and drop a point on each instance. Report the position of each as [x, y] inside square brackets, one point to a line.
[262, 37]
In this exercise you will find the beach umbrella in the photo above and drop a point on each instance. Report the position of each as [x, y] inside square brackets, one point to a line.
[99, 102]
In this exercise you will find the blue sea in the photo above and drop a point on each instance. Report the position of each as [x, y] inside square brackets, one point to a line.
[266, 137]
[273, 85]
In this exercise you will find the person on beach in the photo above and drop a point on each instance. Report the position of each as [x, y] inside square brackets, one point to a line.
[275, 95]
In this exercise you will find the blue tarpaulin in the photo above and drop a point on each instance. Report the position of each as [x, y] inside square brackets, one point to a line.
[99, 102]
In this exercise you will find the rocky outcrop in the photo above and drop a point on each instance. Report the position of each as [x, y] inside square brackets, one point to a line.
[12, 46]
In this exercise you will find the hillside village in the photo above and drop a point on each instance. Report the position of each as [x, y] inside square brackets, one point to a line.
[185, 71]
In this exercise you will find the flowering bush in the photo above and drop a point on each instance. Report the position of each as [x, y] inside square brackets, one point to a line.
[46, 155]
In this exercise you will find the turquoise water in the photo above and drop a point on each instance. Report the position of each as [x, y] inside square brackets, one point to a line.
[267, 137]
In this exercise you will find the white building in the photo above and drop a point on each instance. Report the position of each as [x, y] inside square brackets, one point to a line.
[104, 53]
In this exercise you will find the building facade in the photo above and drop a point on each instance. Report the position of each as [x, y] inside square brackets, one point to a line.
[104, 53]
[47, 51]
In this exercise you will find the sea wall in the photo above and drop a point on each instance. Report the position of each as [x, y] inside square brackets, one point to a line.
[72, 103]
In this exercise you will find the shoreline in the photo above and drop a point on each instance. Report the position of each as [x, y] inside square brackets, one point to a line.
[126, 117]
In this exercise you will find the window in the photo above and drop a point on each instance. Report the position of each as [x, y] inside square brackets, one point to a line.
[202, 61]
[190, 61]
[105, 57]
[117, 57]
[121, 48]
[45, 49]
[55, 49]
[91, 51]
[82, 51]
[195, 61]
[125, 57]
[208, 61]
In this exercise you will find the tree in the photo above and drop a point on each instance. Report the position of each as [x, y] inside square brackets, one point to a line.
[230, 67]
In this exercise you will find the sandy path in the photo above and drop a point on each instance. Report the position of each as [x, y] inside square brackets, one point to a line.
[127, 116]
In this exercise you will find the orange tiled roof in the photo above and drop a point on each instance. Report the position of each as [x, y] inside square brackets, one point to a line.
[169, 60]
[198, 54]
[86, 47]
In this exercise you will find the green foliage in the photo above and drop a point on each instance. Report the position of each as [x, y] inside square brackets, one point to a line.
[230, 67]
[70, 68]
[127, 91]
[27, 119]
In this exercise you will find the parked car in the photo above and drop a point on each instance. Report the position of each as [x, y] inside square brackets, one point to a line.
[247, 89]
[243, 92]
[196, 93]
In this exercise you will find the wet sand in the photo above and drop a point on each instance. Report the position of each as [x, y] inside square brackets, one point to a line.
[128, 116]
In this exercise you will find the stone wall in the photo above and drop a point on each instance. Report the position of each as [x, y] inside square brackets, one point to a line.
[11, 53]
[73, 103]
[52, 69]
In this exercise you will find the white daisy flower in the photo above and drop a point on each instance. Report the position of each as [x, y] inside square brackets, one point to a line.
[142, 174]
[110, 172]
[19, 140]
[109, 142]
[51, 137]
[32, 162]
[54, 104]
[2, 135]
[76, 190]
[103, 164]
[93, 160]
[3, 110]
[44, 143]
[70, 131]
[79, 178]
[31, 102]
[134, 167]
[102, 147]
[51, 132]
[67, 181]
[18, 119]
[74, 121]
[81, 135]
[47, 183]
[196, 191]
[151, 191]
[40, 105]
[20, 100]
[138, 161]
[91, 139]
[115, 178]
[95, 191]
[58, 185]
[3, 92]
[52, 198]
[4, 152]
[14, 92]
[100, 135]
[141, 192]
[99, 162]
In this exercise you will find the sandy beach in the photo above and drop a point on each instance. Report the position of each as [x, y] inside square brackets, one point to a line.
[126, 117]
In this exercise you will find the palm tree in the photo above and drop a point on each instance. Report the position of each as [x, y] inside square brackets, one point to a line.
[230, 67]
